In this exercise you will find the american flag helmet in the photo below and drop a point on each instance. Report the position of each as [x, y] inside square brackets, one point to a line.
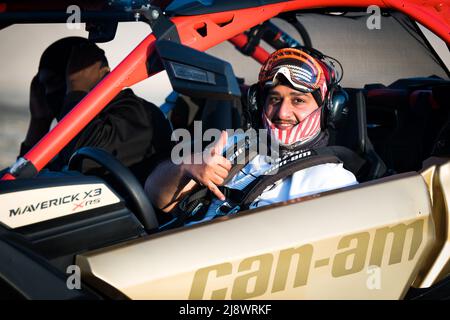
[304, 72]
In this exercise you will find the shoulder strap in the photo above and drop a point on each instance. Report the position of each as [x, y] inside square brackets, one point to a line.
[256, 187]
[296, 162]
[350, 159]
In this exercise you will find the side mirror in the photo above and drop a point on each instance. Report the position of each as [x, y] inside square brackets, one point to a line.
[101, 31]
[197, 74]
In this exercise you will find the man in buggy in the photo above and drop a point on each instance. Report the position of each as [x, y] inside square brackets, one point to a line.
[291, 99]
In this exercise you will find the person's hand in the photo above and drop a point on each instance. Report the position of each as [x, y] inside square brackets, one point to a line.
[84, 70]
[38, 106]
[213, 171]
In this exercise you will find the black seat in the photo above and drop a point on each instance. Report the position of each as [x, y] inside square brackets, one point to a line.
[441, 145]
[348, 128]
[407, 119]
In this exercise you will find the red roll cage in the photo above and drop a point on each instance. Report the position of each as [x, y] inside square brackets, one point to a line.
[221, 26]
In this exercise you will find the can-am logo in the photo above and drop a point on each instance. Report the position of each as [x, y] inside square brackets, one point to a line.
[291, 268]
[79, 200]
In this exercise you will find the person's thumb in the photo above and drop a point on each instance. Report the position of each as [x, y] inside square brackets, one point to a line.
[221, 143]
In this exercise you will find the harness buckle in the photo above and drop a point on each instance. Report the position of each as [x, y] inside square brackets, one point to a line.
[198, 207]
[228, 209]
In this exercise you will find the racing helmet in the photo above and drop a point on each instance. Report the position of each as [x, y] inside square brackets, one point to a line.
[302, 71]
[305, 70]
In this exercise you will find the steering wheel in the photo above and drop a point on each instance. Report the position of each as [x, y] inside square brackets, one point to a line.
[122, 175]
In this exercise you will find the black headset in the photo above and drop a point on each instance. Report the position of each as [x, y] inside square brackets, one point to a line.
[333, 105]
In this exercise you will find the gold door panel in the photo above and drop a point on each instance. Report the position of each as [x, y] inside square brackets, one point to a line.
[363, 242]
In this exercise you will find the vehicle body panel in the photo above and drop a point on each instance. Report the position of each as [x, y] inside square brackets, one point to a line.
[339, 235]
[438, 180]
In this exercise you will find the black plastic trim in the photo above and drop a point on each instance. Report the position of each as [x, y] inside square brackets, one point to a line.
[438, 291]
[220, 82]
[162, 27]
[194, 8]
[32, 276]
[72, 235]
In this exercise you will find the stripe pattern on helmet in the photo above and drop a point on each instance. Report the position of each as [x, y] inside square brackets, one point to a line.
[301, 132]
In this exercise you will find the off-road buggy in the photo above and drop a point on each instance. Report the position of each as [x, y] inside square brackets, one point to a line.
[385, 238]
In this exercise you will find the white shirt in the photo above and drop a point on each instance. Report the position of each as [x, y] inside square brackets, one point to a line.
[302, 183]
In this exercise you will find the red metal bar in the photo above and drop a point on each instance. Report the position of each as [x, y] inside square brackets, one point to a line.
[260, 54]
[8, 176]
[220, 26]
[433, 14]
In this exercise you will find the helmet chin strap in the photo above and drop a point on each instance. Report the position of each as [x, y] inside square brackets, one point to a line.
[298, 134]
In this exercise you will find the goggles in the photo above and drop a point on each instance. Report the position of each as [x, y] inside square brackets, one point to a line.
[302, 71]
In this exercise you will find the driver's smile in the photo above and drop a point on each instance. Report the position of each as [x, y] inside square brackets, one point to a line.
[284, 125]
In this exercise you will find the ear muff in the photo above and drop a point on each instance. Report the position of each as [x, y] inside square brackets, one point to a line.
[326, 107]
[254, 107]
[332, 87]
[338, 108]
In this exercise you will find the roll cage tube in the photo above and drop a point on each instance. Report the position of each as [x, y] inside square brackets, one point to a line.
[217, 28]
[259, 53]
[248, 43]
